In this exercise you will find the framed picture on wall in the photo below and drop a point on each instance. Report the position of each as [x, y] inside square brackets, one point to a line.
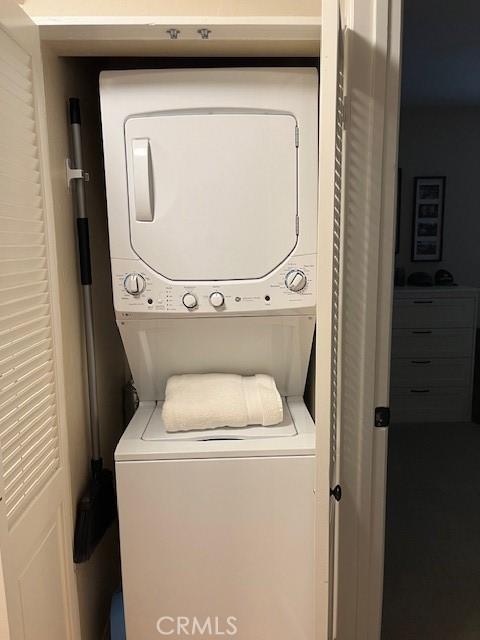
[428, 214]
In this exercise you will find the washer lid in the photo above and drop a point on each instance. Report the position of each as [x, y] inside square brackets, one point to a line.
[155, 430]
[212, 194]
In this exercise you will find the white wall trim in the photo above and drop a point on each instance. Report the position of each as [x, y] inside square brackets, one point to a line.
[166, 20]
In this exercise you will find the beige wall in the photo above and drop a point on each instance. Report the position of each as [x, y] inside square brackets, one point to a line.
[97, 578]
[172, 7]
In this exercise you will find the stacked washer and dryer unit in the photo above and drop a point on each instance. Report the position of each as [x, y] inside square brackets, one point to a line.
[212, 181]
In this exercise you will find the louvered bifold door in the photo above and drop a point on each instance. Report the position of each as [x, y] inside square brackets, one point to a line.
[338, 216]
[28, 429]
[34, 507]
[28, 426]
[327, 381]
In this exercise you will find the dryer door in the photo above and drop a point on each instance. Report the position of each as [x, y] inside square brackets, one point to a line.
[212, 195]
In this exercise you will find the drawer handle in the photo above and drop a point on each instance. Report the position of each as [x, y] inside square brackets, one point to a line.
[424, 332]
[421, 362]
[419, 390]
[423, 302]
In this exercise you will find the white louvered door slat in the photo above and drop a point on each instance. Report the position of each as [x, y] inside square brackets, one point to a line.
[21, 162]
[27, 363]
[12, 266]
[19, 192]
[13, 105]
[22, 337]
[24, 169]
[35, 411]
[43, 420]
[38, 309]
[35, 293]
[14, 90]
[21, 126]
[30, 215]
[9, 101]
[35, 503]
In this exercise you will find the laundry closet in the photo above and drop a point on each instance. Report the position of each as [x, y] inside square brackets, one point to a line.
[275, 265]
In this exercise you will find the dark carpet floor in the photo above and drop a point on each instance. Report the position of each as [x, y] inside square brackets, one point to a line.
[432, 555]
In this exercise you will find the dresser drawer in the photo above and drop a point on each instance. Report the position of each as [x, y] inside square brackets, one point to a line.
[433, 312]
[448, 372]
[420, 343]
[418, 404]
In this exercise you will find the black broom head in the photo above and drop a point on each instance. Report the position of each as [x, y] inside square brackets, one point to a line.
[96, 511]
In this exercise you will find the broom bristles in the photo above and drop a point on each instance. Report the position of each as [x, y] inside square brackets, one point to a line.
[96, 511]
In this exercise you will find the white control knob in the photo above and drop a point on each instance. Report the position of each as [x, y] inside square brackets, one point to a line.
[189, 301]
[134, 284]
[216, 299]
[295, 280]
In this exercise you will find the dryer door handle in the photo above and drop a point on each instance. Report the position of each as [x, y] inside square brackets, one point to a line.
[142, 180]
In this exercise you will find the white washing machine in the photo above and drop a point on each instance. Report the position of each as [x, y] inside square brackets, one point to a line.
[212, 204]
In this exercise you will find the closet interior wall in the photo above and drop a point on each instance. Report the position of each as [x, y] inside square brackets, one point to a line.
[97, 578]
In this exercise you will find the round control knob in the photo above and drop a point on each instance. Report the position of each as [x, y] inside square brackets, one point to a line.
[134, 284]
[295, 280]
[216, 299]
[189, 301]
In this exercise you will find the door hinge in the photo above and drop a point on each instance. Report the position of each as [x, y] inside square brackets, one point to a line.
[297, 136]
[336, 492]
[382, 416]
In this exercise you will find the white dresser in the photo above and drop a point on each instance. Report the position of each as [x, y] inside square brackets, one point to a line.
[433, 347]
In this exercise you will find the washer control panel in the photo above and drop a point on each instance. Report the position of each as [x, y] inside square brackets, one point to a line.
[136, 288]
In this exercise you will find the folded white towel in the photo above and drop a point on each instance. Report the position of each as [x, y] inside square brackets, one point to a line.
[212, 400]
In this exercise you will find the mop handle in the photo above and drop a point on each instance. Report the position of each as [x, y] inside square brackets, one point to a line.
[85, 275]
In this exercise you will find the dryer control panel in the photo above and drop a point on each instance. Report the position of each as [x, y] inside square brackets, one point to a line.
[212, 183]
[137, 289]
